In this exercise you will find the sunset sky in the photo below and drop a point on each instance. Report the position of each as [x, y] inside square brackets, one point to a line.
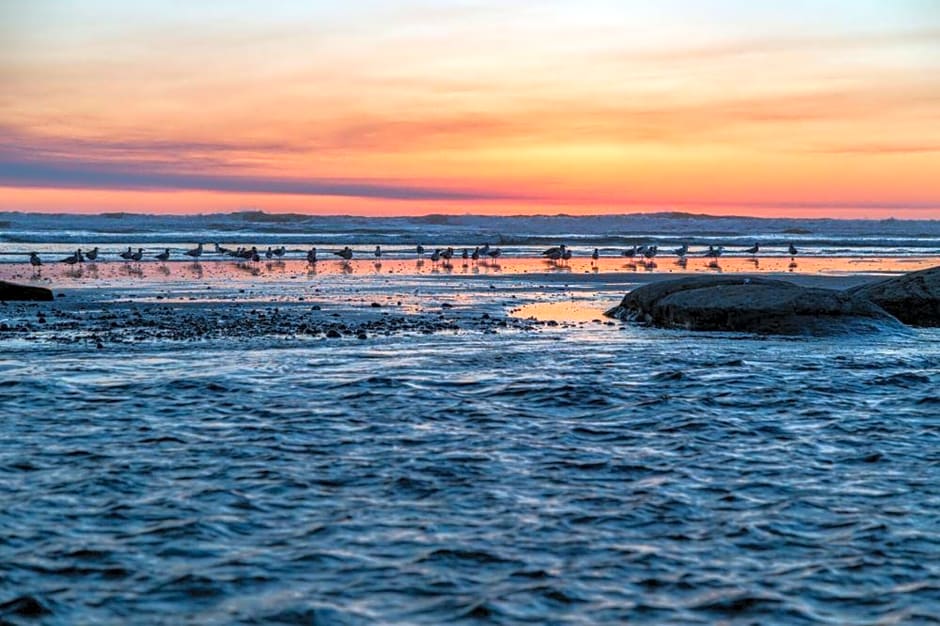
[805, 107]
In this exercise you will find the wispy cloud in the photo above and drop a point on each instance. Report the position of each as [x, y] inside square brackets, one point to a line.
[51, 174]
[807, 45]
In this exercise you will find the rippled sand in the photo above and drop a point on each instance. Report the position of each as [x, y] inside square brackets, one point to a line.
[584, 472]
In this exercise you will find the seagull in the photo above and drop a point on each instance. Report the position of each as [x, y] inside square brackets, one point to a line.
[792, 251]
[279, 252]
[682, 250]
[448, 254]
[436, 255]
[269, 253]
[596, 254]
[137, 256]
[91, 256]
[476, 254]
[650, 252]
[466, 254]
[714, 252]
[346, 253]
[34, 260]
[753, 249]
[495, 252]
[419, 249]
[195, 252]
[253, 255]
[555, 253]
[163, 256]
[630, 253]
[220, 250]
[312, 256]
[75, 258]
[127, 254]
[566, 255]
[485, 249]
[378, 252]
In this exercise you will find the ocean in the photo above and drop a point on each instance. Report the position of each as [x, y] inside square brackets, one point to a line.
[188, 444]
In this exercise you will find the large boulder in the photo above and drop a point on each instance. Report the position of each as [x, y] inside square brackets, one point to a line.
[912, 298]
[754, 305]
[11, 291]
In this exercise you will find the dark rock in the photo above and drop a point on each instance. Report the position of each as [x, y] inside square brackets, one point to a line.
[912, 298]
[12, 291]
[748, 304]
[333, 334]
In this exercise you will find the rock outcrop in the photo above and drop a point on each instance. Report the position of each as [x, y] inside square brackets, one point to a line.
[11, 291]
[912, 298]
[754, 305]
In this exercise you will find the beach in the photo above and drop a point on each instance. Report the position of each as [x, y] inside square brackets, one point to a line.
[221, 442]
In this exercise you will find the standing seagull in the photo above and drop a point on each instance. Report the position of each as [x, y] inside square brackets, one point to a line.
[127, 254]
[163, 256]
[91, 256]
[72, 260]
[631, 253]
[280, 252]
[682, 250]
[346, 253]
[312, 256]
[553, 254]
[596, 254]
[195, 252]
[793, 251]
[753, 249]
[34, 260]
[378, 252]
[137, 256]
[419, 249]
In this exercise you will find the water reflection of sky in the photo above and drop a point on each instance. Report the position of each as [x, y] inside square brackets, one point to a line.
[218, 270]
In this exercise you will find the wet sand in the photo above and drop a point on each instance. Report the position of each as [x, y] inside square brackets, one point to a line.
[104, 303]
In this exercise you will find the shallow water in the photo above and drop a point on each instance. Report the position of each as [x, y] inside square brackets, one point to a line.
[596, 474]
[585, 472]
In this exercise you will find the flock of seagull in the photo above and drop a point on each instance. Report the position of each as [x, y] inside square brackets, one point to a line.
[558, 254]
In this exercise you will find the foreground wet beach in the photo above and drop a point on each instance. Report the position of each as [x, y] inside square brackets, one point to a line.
[441, 456]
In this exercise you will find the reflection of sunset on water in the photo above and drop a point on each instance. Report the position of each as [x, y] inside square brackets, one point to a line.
[294, 269]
